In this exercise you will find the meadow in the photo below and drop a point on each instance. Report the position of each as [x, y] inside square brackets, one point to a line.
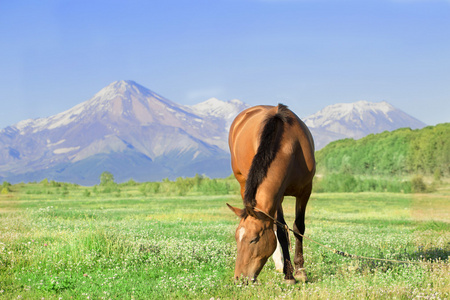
[62, 241]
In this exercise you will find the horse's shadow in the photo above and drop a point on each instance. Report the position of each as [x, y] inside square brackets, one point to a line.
[434, 254]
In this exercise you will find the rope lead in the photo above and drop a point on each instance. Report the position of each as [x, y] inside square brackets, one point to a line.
[341, 253]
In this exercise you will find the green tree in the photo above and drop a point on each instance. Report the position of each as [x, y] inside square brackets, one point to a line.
[6, 187]
[106, 178]
[6, 184]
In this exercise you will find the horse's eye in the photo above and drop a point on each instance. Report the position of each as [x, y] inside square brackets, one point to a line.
[255, 240]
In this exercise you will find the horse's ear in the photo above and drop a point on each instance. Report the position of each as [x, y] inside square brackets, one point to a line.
[250, 211]
[236, 210]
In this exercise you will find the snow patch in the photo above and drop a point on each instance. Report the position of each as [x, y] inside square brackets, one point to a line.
[24, 124]
[196, 154]
[50, 144]
[65, 150]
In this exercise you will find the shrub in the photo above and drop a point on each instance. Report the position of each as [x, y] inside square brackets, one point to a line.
[214, 187]
[130, 182]
[437, 175]
[65, 191]
[153, 187]
[111, 188]
[418, 185]
[55, 184]
[339, 183]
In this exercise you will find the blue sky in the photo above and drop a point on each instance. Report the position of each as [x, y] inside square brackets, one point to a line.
[307, 53]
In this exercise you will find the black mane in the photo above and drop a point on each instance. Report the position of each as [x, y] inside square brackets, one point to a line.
[267, 150]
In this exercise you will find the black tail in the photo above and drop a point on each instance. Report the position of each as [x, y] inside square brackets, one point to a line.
[267, 150]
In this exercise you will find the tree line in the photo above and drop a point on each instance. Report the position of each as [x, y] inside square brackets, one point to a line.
[387, 162]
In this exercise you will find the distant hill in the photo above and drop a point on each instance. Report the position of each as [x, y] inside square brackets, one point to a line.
[403, 151]
[356, 120]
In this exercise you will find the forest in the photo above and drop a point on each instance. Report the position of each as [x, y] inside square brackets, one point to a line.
[400, 152]
[394, 161]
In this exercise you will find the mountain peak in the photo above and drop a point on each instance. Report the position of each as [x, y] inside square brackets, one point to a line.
[124, 87]
[358, 119]
[120, 99]
[346, 111]
[358, 107]
[218, 108]
[214, 107]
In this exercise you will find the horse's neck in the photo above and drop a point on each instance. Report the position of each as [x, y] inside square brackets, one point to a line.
[268, 201]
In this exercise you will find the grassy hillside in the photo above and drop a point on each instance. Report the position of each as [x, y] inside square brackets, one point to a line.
[425, 151]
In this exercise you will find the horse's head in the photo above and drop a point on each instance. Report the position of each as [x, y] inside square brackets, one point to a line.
[256, 241]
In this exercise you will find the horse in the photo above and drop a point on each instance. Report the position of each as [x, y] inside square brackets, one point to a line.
[272, 156]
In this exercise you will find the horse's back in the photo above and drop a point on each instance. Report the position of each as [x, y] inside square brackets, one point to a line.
[244, 137]
[297, 145]
[247, 125]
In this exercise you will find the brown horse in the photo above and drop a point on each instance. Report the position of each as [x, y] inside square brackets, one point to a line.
[272, 156]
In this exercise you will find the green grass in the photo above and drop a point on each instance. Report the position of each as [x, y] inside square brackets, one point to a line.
[62, 242]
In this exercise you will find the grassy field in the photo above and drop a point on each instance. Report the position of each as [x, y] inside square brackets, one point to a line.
[69, 242]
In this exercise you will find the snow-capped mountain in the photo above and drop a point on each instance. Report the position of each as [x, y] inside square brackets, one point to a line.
[125, 121]
[226, 111]
[131, 104]
[133, 132]
[356, 120]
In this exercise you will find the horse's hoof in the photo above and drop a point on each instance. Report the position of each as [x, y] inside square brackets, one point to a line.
[290, 281]
[300, 275]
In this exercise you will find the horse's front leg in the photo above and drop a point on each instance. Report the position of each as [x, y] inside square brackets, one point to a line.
[299, 227]
[283, 237]
[277, 256]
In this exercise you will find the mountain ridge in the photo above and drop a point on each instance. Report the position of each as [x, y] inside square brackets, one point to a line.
[123, 117]
[356, 120]
[136, 133]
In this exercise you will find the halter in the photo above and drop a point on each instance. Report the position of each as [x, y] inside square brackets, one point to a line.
[283, 226]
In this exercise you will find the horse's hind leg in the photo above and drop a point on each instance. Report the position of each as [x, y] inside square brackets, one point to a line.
[299, 227]
[284, 242]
